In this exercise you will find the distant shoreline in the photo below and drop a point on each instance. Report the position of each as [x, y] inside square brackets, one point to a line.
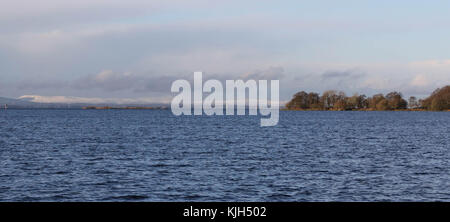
[166, 108]
[85, 108]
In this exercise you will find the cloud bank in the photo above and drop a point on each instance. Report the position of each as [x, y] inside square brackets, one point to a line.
[135, 49]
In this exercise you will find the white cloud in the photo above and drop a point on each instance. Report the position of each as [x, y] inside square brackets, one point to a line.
[432, 63]
[430, 73]
[420, 81]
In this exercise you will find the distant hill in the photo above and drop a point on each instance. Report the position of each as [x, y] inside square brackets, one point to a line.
[26, 104]
[15, 102]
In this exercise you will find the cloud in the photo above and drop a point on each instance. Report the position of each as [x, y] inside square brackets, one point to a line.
[427, 75]
[427, 63]
[143, 46]
[420, 81]
[51, 12]
[350, 79]
[37, 84]
[376, 83]
[110, 81]
[93, 100]
[107, 81]
[272, 73]
[335, 74]
[45, 42]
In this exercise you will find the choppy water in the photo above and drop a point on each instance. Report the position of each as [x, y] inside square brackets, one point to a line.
[151, 155]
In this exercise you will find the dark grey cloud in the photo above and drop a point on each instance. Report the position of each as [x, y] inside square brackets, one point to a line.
[156, 84]
[36, 85]
[348, 80]
[107, 80]
[342, 74]
[110, 81]
[272, 73]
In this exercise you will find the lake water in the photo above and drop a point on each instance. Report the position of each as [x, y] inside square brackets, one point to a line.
[151, 155]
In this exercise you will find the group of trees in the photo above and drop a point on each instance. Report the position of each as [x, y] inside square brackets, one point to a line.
[438, 100]
[337, 100]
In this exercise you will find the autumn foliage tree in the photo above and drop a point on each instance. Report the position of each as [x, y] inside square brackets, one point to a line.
[395, 101]
[374, 100]
[439, 100]
[337, 100]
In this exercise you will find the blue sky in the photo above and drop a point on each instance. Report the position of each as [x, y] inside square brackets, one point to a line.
[133, 50]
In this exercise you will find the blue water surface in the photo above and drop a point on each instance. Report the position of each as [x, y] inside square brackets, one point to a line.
[152, 155]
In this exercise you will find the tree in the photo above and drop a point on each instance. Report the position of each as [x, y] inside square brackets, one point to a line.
[299, 101]
[328, 99]
[331, 97]
[304, 100]
[337, 100]
[374, 100]
[395, 100]
[314, 101]
[363, 103]
[340, 105]
[357, 101]
[383, 105]
[439, 100]
[340, 101]
[437, 104]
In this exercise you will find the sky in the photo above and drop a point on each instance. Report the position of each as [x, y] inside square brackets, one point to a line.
[131, 51]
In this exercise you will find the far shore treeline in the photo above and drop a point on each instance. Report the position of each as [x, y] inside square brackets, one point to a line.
[439, 100]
